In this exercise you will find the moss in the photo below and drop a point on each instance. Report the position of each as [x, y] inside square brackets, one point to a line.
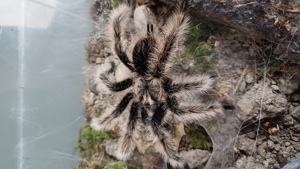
[197, 48]
[198, 137]
[116, 3]
[116, 165]
[90, 140]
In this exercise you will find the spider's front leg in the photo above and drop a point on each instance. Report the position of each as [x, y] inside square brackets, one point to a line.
[174, 33]
[116, 33]
[114, 86]
[193, 112]
[188, 85]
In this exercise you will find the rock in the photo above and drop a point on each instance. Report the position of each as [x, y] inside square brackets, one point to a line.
[270, 144]
[262, 151]
[289, 85]
[196, 157]
[289, 149]
[269, 155]
[261, 96]
[296, 146]
[295, 104]
[295, 98]
[111, 147]
[288, 120]
[296, 113]
[276, 166]
[295, 139]
[277, 147]
[273, 138]
[242, 86]
[249, 163]
[245, 144]
[287, 144]
[297, 128]
[249, 78]
[275, 87]
[291, 108]
[252, 135]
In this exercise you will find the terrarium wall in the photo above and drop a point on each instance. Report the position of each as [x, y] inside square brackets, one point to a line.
[42, 49]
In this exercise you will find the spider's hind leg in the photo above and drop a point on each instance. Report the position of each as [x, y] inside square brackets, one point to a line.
[165, 144]
[108, 118]
[126, 141]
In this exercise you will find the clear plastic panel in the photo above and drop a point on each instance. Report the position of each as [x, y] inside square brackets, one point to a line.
[42, 52]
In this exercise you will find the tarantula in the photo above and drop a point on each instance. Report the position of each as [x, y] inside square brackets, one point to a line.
[149, 99]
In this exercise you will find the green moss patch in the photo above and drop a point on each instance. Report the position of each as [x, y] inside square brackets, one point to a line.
[197, 49]
[90, 140]
[116, 165]
[198, 137]
[116, 3]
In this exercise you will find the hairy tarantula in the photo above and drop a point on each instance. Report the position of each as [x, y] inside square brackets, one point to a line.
[150, 100]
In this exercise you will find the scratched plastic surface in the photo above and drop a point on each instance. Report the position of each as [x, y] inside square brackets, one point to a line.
[42, 52]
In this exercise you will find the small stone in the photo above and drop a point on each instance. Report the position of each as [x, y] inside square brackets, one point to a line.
[249, 78]
[268, 155]
[273, 82]
[297, 128]
[195, 157]
[287, 144]
[295, 139]
[277, 147]
[252, 135]
[288, 120]
[258, 157]
[295, 98]
[296, 113]
[270, 144]
[291, 108]
[276, 166]
[275, 87]
[273, 138]
[295, 104]
[289, 149]
[245, 144]
[262, 151]
[242, 86]
[297, 146]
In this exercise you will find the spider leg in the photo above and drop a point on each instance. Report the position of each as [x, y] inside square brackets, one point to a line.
[116, 86]
[120, 14]
[175, 30]
[165, 144]
[107, 118]
[189, 85]
[193, 112]
[142, 53]
[126, 141]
